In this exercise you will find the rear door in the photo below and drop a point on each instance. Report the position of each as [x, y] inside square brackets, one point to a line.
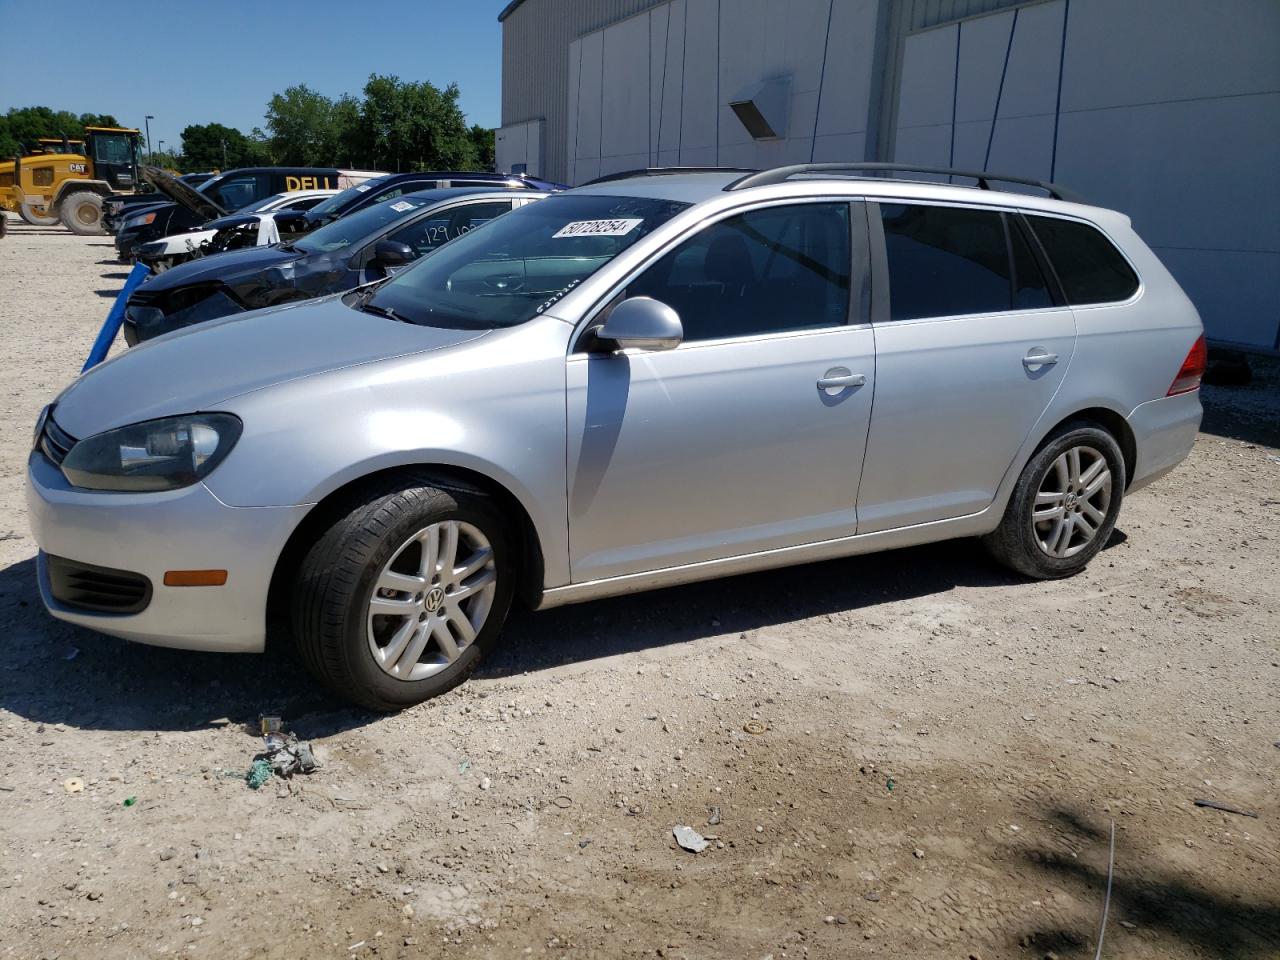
[970, 348]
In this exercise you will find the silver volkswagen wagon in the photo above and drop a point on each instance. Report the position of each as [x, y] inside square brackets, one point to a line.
[653, 379]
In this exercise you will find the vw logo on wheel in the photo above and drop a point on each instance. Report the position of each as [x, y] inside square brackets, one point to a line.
[433, 600]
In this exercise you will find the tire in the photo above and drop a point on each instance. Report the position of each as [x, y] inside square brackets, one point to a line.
[81, 213]
[334, 627]
[35, 219]
[1059, 545]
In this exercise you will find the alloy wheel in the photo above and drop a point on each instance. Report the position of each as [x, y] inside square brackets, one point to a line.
[1072, 502]
[431, 600]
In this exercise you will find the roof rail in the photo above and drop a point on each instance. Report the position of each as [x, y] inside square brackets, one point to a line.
[668, 171]
[782, 174]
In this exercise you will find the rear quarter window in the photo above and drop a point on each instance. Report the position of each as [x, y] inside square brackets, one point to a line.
[1088, 265]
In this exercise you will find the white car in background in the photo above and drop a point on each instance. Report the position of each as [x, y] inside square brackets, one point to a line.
[177, 248]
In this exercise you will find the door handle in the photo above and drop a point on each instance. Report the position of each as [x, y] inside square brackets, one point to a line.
[839, 379]
[1039, 359]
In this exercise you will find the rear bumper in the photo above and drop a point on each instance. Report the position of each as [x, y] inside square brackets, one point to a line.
[149, 533]
[1164, 432]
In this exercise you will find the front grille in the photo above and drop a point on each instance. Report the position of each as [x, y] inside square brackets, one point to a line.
[97, 589]
[55, 443]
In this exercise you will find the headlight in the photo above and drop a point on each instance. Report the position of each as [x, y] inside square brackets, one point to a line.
[40, 420]
[153, 455]
[141, 221]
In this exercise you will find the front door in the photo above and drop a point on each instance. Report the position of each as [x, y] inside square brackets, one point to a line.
[749, 435]
[968, 359]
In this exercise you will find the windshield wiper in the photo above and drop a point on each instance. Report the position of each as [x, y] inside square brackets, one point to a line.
[381, 311]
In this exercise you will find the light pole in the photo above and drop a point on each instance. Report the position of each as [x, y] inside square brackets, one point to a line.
[147, 124]
[162, 149]
[224, 156]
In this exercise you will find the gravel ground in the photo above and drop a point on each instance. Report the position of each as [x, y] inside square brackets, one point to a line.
[910, 755]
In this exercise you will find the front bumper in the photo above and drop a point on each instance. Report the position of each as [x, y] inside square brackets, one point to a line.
[150, 533]
[1164, 432]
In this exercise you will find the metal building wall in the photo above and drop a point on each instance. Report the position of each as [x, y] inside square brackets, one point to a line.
[535, 64]
[536, 36]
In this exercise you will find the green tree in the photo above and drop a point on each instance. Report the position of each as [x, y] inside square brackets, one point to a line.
[212, 146]
[408, 126]
[483, 139]
[98, 120]
[306, 128]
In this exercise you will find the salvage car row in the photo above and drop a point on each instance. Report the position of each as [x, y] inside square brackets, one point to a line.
[505, 390]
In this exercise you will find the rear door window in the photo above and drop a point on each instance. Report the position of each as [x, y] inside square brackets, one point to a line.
[945, 261]
[1089, 267]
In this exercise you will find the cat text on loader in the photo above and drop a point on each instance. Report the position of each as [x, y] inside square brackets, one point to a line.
[55, 186]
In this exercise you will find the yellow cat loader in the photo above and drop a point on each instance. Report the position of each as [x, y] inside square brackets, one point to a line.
[53, 185]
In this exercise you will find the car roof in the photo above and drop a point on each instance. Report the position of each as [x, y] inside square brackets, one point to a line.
[710, 185]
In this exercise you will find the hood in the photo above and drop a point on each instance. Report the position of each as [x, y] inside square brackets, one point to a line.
[182, 194]
[195, 370]
[225, 267]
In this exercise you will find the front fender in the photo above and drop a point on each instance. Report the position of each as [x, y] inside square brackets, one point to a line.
[494, 406]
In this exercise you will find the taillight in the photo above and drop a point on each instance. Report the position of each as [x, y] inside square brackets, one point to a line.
[1188, 377]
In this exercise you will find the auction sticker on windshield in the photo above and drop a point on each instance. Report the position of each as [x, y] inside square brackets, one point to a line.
[402, 206]
[597, 228]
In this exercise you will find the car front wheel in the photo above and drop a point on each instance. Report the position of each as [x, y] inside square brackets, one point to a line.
[402, 594]
[1064, 506]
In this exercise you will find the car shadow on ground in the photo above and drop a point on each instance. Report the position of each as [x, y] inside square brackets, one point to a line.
[54, 672]
[736, 605]
[1247, 412]
[1147, 900]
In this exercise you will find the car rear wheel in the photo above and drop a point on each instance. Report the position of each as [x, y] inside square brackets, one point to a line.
[403, 593]
[82, 213]
[1064, 505]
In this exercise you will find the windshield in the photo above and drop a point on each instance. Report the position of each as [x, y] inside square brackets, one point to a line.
[516, 266]
[340, 200]
[355, 227]
[112, 148]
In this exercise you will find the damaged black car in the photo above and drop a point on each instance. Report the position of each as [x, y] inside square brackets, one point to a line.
[360, 248]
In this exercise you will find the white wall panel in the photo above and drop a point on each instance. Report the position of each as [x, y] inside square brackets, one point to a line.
[1031, 86]
[698, 128]
[1236, 292]
[983, 43]
[1022, 146]
[926, 95]
[571, 115]
[625, 89]
[927, 146]
[846, 97]
[1192, 174]
[1140, 51]
[519, 143]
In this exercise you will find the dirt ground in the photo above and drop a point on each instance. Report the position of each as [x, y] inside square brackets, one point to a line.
[944, 747]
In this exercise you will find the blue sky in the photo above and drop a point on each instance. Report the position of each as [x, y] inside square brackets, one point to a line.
[221, 61]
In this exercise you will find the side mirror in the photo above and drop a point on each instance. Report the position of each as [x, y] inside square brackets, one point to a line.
[393, 253]
[642, 323]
